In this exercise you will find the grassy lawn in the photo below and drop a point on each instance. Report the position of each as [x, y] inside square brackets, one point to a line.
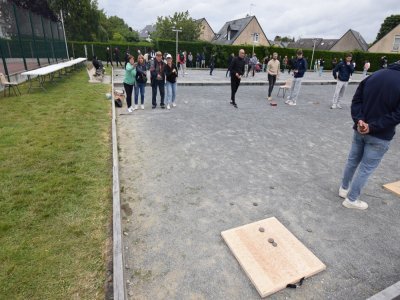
[55, 191]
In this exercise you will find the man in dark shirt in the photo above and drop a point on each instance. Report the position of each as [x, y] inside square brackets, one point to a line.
[237, 71]
[342, 73]
[157, 72]
[375, 110]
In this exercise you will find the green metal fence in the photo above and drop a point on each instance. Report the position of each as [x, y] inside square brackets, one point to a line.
[27, 40]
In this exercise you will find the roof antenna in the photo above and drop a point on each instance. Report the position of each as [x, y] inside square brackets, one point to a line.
[251, 5]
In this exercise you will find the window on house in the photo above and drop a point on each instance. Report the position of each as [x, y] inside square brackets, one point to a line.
[396, 43]
[229, 35]
[255, 37]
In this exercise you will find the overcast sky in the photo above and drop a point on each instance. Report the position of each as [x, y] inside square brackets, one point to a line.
[295, 18]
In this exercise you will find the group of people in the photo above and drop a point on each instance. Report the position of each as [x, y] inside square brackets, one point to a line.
[163, 76]
[375, 107]
[375, 111]
[237, 69]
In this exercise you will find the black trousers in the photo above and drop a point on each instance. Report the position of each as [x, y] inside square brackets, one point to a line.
[128, 91]
[235, 82]
[118, 61]
[109, 61]
[271, 83]
[161, 86]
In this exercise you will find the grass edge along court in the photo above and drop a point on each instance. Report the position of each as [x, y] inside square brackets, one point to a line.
[55, 191]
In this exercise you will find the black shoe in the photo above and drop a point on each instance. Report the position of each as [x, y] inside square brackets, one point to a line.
[234, 104]
[154, 106]
[162, 106]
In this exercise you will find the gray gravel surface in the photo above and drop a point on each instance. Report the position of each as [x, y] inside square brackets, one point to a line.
[189, 173]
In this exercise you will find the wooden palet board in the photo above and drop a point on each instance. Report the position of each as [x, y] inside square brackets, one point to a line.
[393, 187]
[271, 268]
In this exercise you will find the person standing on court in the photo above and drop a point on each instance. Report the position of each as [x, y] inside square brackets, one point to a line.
[375, 111]
[366, 67]
[237, 71]
[299, 68]
[141, 79]
[229, 65]
[116, 56]
[108, 56]
[171, 73]
[190, 60]
[342, 73]
[273, 68]
[321, 66]
[212, 63]
[129, 81]
[157, 72]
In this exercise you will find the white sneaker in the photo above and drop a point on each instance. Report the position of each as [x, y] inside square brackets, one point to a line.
[135, 107]
[333, 106]
[338, 106]
[358, 204]
[174, 104]
[269, 98]
[287, 101]
[168, 107]
[142, 106]
[343, 193]
[130, 109]
[292, 103]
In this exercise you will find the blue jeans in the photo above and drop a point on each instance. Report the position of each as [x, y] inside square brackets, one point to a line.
[365, 154]
[139, 87]
[321, 69]
[171, 92]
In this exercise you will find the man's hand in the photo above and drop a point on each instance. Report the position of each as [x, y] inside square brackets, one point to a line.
[362, 127]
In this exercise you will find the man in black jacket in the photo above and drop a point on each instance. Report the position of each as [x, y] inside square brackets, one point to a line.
[237, 71]
[375, 110]
[342, 73]
[157, 72]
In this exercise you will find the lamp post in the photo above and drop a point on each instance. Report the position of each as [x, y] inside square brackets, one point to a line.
[312, 56]
[176, 37]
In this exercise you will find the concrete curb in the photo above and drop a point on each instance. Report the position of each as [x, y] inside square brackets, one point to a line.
[118, 260]
[252, 83]
[390, 293]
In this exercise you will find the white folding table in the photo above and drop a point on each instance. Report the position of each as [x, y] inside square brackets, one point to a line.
[41, 73]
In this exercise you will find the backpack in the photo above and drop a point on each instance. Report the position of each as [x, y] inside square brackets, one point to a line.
[118, 102]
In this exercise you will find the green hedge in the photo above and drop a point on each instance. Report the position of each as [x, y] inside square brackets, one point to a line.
[76, 49]
[222, 52]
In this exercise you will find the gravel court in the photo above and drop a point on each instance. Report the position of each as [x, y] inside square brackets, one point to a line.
[189, 173]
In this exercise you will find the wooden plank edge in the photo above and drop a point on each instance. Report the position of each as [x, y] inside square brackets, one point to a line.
[118, 260]
[283, 286]
[387, 186]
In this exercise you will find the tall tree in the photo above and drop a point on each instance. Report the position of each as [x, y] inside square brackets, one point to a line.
[387, 25]
[116, 27]
[81, 18]
[191, 29]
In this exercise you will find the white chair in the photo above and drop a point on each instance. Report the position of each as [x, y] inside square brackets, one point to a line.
[9, 85]
[285, 87]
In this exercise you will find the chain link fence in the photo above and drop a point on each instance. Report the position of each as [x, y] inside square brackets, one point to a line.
[27, 40]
